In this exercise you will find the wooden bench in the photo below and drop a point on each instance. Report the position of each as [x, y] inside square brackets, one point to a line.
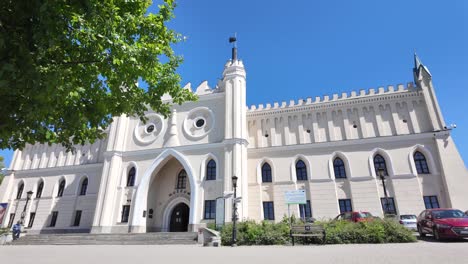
[308, 230]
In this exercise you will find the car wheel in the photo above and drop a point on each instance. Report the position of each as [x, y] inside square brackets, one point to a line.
[436, 234]
[421, 234]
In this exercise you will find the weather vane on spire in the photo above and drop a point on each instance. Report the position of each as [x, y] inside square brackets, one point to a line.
[234, 47]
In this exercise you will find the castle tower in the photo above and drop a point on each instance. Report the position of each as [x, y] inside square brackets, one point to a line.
[234, 84]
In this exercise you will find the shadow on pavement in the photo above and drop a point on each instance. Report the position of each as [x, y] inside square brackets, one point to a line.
[431, 239]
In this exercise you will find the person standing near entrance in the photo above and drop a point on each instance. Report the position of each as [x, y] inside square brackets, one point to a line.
[16, 230]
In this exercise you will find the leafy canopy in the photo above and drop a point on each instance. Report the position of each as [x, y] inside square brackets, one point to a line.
[2, 166]
[67, 67]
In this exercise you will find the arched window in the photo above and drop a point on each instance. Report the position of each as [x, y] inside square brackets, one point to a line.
[40, 187]
[211, 170]
[20, 190]
[61, 188]
[421, 163]
[301, 171]
[182, 180]
[131, 177]
[266, 173]
[339, 168]
[84, 187]
[379, 162]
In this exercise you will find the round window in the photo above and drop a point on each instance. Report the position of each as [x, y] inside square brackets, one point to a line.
[150, 128]
[200, 122]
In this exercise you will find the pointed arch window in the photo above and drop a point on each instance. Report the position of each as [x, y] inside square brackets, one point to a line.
[182, 180]
[211, 170]
[131, 177]
[379, 162]
[339, 168]
[20, 191]
[301, 171]
[61, 188]
[84, 187]
[266, 173]
[40, 187]
[421, 163]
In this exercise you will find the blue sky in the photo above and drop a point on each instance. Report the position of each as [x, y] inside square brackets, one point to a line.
[297, 49]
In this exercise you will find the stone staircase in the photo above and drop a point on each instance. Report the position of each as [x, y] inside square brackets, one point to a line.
[161, 238]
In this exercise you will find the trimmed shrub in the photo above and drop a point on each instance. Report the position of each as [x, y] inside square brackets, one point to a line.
[252, 233]
[337, 232]
[4, 231]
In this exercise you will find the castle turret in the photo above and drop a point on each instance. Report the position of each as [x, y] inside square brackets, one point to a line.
[234, 84]
[423, 80]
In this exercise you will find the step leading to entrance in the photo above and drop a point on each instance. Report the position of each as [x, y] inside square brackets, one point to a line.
[160, 238]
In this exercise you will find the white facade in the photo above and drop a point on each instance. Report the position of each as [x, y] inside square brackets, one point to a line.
[394, 123]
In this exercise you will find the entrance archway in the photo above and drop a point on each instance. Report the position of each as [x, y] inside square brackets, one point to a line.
[179, 218]
[139, 222]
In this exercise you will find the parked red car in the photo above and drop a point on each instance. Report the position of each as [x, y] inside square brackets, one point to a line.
[355, 216]
[443, 223]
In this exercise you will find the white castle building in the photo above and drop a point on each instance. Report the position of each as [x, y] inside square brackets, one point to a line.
[170, 174]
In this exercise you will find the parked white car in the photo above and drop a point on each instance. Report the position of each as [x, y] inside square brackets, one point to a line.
[409, 221]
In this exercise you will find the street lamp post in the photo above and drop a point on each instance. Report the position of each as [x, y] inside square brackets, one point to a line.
[23, 214]
[381, 172]
[234, 212]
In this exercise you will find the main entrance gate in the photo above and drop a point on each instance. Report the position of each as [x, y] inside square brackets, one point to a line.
[179, 218]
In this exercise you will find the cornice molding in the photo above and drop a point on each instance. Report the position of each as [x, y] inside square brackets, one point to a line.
[328, 144]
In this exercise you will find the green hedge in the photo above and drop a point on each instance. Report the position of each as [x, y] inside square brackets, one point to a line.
[337, 232]
[4, 231]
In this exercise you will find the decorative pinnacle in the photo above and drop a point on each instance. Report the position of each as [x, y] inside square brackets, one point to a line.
[234, 46]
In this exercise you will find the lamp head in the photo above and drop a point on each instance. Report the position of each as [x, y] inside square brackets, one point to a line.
[29, 194]
[234, 181]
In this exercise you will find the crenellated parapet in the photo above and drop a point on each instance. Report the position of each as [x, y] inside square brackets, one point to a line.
[361, 94]
[360, 114]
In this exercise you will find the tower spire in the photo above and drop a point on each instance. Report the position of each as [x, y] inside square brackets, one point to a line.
[417, 62]
[234, 46]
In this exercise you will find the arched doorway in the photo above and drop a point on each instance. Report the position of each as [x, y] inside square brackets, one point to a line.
[159, 192]
[179, 218]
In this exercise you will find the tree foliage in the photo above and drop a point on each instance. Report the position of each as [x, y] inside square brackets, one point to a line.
[68, 67]
[2, 166]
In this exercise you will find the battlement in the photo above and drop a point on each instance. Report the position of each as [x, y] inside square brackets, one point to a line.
[400, 88]
[202, 89]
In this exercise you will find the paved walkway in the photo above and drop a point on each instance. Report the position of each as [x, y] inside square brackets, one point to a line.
[426, 252]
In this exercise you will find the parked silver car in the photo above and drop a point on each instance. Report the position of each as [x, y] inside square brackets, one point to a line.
[409, 221]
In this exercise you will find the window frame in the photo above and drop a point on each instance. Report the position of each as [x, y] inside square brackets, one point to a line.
[125, 214]
[391, 203]
[340, 168]
[268, 210]
[431, 201]
[344, 205]
[181, 183]
[381, 163]
[131, 175]
[11, 220]
[267, 175]
[32, 216]
[209, 210]
[40, 188]
[53, 219]
[301, 172]
[20, 191]
[77, 218]
[211, 170]
[84, 187]
[420, 162]
[61, 188]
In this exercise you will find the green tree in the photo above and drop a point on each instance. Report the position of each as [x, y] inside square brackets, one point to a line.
[2, 166]
[68, 67]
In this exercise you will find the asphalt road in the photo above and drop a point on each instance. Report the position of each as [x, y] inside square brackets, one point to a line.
[426, 252]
